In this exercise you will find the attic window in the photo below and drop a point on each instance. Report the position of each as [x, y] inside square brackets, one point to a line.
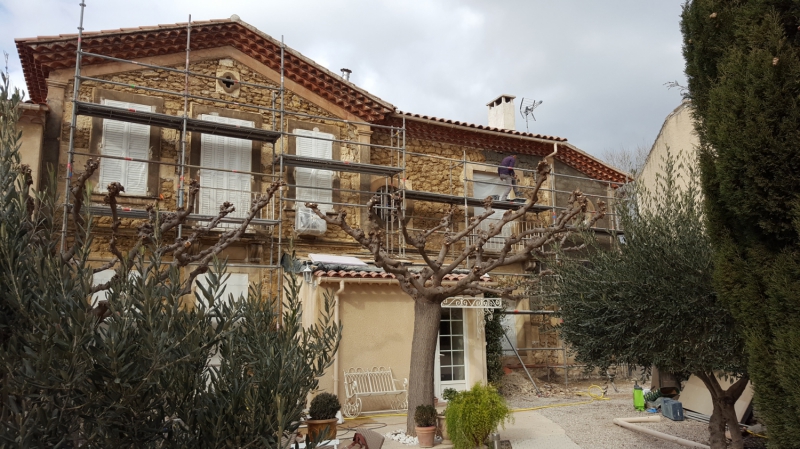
[229, 82]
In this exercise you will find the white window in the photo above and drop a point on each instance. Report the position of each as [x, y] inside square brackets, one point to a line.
[228, 153]
[317, 185]
[129, 140]
[483, 185]
[101, 277]
[236, 284]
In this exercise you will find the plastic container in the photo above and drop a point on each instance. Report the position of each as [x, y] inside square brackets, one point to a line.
[638, 397]
[672, 409]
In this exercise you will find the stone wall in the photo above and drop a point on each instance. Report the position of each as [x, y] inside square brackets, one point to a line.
[170, 150]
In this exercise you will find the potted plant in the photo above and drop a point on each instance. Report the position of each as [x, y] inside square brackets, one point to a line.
[322, 417]
[473, 414]
[425, 419]
[441, 421]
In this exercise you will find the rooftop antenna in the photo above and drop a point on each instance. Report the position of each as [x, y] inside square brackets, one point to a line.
[526, 108]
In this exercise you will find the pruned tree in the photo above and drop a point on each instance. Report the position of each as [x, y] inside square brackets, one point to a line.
[651, 300]
[428, 287]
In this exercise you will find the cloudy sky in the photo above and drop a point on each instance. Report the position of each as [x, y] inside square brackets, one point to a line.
[598, 66]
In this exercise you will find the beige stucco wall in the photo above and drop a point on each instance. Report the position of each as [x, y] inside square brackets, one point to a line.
[679, 136]
[378, 324]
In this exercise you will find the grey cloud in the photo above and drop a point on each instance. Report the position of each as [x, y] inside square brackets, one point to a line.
[598, 66]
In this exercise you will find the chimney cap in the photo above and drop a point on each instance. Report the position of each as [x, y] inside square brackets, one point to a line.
[497, 101]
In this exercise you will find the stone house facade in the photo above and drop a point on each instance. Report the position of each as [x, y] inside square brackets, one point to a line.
[239, 76]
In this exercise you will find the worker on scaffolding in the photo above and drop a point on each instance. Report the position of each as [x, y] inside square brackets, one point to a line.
[508, 177]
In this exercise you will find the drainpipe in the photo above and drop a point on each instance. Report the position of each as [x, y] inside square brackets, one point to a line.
[336, 356]
[553, 180]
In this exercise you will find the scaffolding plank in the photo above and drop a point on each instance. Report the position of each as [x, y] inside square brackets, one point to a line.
[140, 214]
[474, 202]
[174, 122]
[292, 160]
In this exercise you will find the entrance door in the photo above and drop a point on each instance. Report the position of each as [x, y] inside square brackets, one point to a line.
[451, 364]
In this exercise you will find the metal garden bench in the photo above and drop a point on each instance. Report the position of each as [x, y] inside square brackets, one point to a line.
[378, 381]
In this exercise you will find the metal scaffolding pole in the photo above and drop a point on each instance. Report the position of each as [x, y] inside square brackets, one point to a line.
[521, 362]
[76, 84]
[185, 119]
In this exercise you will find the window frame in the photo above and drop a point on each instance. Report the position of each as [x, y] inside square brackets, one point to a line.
[336, 155]
[195, 144]
[96, 141]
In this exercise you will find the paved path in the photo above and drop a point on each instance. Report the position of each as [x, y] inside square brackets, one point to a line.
[529, 430]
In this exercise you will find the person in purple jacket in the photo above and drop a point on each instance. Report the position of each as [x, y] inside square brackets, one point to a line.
[508, 177]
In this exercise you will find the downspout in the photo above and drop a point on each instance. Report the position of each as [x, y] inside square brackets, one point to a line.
[337, 321]
[553, 180]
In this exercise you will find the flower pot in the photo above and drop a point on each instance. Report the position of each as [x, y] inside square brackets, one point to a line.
[425, 435]
[325, 428]
[441, 421]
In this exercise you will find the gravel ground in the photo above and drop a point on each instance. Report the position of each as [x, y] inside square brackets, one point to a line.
[590, 425]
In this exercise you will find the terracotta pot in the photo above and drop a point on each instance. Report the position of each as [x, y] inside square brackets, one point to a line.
[442, 423]
[326, 428]
[425, 435]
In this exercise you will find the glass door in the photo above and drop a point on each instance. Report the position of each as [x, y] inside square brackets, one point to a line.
[451, 364]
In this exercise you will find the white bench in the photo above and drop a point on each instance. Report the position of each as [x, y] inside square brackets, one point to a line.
[375, 382]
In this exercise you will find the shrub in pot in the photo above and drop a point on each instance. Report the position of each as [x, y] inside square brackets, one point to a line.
[425, 419]
[448, 395]
[473, 414]
[322, 417]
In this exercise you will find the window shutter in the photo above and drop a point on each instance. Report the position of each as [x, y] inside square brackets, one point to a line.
[125, 140]
[101, 277]
[138, 148]
[112, 170]
[485, 184]
[230, 154]
[236, 284]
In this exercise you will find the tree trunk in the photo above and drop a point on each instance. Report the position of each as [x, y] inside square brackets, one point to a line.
[423, 352]
[724, 412]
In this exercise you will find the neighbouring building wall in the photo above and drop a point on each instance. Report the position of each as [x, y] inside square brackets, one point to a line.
[679, 137]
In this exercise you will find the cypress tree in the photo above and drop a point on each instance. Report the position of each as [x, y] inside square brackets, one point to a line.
[743, 68]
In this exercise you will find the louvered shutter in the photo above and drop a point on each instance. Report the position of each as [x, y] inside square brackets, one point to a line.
[124, 139]
[112, 170]
[230, 154]
[323, 179]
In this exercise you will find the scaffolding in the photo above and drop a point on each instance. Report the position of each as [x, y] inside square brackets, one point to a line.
[275, 134]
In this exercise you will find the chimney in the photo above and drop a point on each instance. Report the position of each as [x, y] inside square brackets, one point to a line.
[501, 112]
[346, 74]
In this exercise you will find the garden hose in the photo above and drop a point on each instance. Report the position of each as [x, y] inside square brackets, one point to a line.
[593, 397]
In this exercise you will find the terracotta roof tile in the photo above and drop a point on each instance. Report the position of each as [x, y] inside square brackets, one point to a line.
[41, 55]
[505, 141]
[483, 127]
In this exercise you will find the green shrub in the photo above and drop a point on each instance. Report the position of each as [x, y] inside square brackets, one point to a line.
[493, 327]
[425, 416]
[324, 406]
[473, 414]
[449, 394]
